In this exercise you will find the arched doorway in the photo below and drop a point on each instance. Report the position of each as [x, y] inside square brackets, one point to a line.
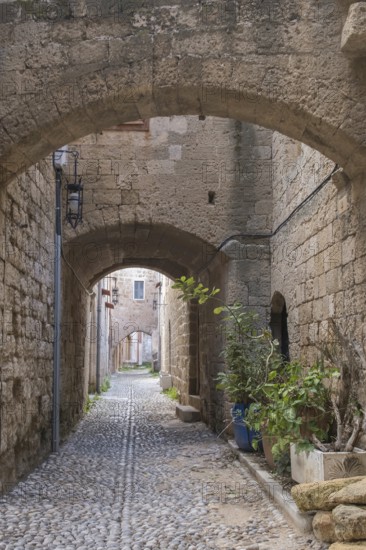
[278, 324]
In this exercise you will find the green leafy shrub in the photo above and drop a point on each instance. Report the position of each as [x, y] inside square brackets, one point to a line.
[90, 401]
[172, 392]
[249, 352]
[296, 408]
[290, 402]
[106, 384]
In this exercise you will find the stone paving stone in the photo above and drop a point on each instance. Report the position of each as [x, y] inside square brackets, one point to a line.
[133, 477]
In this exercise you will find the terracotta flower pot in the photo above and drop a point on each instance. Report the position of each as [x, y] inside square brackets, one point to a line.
[268, 441]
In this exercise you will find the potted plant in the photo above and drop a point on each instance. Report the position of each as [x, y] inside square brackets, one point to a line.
[249, 353]
[315, 411]
[338, 456]
[295, 408]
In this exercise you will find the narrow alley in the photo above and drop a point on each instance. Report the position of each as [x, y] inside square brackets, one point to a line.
[133, 477]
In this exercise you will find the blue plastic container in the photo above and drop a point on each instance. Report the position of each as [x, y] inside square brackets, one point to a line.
[243, 436]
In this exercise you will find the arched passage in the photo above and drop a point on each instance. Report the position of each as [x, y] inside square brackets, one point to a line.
[83, 72]
[155, 327]
[165, 248]
[132, 349]
[143, 234]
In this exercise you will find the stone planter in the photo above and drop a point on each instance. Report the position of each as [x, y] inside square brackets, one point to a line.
[165, 381]
[318, 466]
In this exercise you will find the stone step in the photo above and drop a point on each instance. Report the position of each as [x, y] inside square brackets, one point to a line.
[186, 413]
[194, 401]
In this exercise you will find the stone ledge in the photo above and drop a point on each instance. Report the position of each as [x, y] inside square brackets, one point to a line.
[186, 413]
[283, 499]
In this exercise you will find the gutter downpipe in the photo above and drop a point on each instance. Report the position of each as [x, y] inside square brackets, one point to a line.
[57, 315]
[99, 335]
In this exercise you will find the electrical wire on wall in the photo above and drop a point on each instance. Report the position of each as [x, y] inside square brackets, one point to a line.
[335, 169]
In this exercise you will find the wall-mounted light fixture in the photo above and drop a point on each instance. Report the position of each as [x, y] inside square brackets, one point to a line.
[115, 291]
[115, 294]
[74, 197]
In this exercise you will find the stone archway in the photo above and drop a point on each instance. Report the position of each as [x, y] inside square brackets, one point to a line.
[83, 71]
[167, 249]
[161, 247]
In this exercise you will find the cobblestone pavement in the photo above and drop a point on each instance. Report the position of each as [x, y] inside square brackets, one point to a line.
[133, 477]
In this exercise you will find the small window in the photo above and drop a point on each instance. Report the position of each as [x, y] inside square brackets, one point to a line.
[138, 290]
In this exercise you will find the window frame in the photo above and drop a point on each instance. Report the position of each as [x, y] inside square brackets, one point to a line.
[143, 290]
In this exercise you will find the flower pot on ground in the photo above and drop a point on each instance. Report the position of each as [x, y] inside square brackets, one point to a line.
[244, 436]
[268, 441]
[338, 457]
[294, 408]
[315, 465]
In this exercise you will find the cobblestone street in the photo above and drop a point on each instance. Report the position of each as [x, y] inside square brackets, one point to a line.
[133, 477]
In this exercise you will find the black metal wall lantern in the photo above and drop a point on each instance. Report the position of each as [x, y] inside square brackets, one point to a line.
[74, 197]
[115, 291]
[115, 294]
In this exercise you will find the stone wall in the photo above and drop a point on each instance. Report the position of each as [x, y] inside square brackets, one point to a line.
[75, 338]
[27, 286]
[105, 335]
[175, 340]
[318, 256]
[149, 195]
[26, 228]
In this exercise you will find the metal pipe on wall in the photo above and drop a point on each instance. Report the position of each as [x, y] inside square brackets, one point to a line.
[99, 335]
[57, 316]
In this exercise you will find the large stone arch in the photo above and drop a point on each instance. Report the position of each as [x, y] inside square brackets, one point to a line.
[160, 247]
[173, 252]
[71, 74]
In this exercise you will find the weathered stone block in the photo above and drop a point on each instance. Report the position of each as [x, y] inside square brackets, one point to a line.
[130, 197]
[107, 197]
[89, 51]
[350, 522]
[323, 527]
[315, 496]
[352, 494]
[348, 250]
[186, 413]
